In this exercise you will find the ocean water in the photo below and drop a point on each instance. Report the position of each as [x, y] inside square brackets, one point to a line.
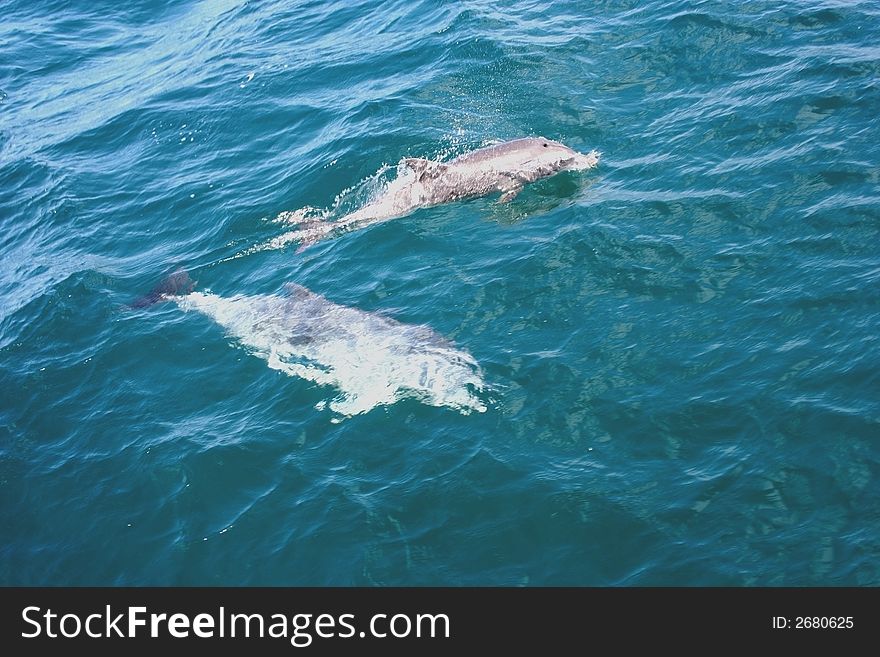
[662, 371]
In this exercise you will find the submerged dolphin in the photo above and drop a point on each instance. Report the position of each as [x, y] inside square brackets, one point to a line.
[369, 358]
[422, 183]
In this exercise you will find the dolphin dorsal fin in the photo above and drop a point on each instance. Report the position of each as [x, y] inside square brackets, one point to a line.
[424, 168]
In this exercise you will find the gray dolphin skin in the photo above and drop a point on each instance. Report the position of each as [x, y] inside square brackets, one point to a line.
[369, 359]
[502, 168]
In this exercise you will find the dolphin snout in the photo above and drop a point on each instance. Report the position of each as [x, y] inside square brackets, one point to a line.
[585, 161]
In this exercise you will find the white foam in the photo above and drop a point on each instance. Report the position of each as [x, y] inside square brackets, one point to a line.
[374, 200]
[370, 359]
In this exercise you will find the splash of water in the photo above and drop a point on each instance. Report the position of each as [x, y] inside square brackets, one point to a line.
[311, 223]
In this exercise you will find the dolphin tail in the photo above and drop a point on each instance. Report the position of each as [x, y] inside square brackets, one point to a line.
[176, 283]
[308, 238]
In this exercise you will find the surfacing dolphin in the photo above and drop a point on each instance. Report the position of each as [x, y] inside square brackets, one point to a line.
[422, 183]
[370, 359]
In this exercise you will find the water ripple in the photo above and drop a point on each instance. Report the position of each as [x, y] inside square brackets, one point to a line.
[681, 351]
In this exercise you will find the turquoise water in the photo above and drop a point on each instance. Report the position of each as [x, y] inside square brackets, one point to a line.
[678, 356]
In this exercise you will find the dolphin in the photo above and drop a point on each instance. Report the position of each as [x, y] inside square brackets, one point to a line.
[368, 358]
[422, 183]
